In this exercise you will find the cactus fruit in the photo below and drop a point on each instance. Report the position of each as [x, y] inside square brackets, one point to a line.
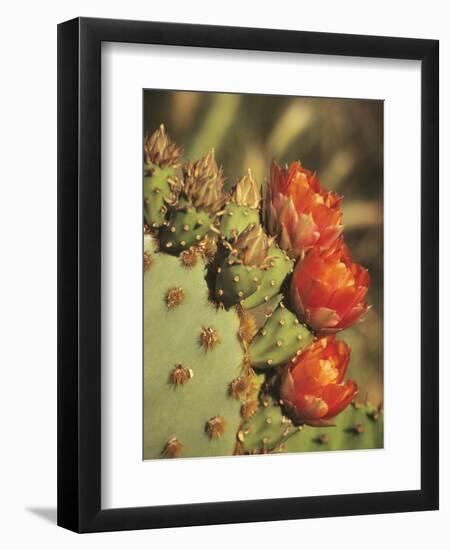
[157, 194]
[222, 331]
[280, 266]
[186, 227]
[281, 338]
[161, 160]
[360, 426]
[188, 408]
[253, 270]
[200, 199]
[243, 209]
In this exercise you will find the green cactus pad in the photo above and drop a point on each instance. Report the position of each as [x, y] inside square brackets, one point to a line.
[156, 194]
[191, 355]
[186, 227]
[357, 427]
[266, 429]
[251, 286]
[236, 281]
[269, 431]
[236, 219]
[282, 266]
[279, 340]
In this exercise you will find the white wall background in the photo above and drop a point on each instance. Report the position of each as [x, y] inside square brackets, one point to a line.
[28, 274]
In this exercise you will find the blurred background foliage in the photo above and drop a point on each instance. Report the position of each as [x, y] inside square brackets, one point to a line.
[340, 139]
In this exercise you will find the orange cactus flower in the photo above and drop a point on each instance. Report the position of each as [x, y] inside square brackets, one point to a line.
[312, 388]
[328, 289]
[299, 212]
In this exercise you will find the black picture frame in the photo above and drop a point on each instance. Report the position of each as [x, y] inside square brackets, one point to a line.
[79, 274]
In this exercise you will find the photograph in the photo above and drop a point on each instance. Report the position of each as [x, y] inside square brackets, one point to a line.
[262, 274]
[226, 280]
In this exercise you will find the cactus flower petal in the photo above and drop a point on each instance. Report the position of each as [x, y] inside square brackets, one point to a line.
[299, 212]
[328, 290]
[338, 396]
[313, 388]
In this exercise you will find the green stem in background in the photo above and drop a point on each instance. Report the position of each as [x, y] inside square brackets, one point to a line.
[215, 125]
[293, 122]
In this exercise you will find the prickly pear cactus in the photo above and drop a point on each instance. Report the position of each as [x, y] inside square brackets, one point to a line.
[194, 211]
[230, 365]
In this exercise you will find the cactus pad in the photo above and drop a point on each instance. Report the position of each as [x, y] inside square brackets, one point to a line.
[281, 266]
[360, 426]
[236, 219]
[191, 355]
[220, 334]
[252, 286]
[281, 338]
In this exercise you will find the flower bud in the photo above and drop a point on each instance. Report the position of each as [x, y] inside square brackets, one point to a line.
[160, 150]
[252, 246]
[246, 192]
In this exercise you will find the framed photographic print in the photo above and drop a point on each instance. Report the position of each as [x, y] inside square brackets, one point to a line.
[248, 275]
